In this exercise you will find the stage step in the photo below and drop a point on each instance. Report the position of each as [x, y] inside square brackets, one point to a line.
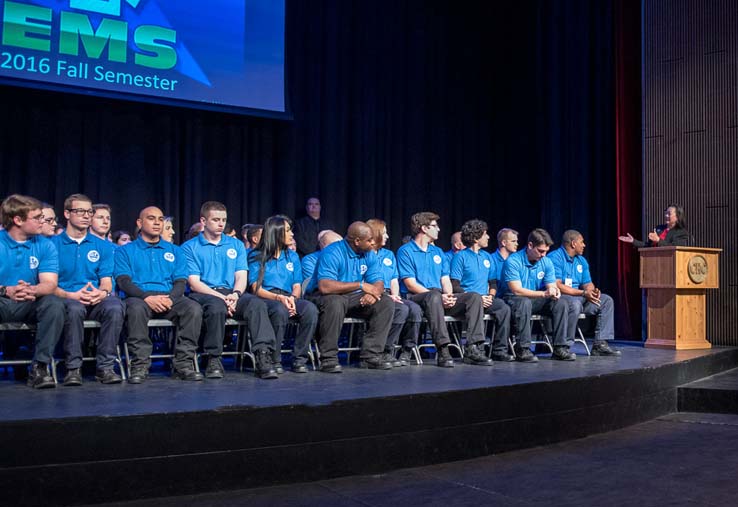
[714, 394]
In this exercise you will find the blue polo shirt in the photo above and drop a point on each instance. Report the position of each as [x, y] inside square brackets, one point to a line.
[388, 264]
[281, 273]
[216, 265]
[24, 261]
[497, 262]
[426, 267]
[339, 262]
[151, 267]
[309, 262]
[473, 270]
[572, 271]
[518, 268]
[83, 262]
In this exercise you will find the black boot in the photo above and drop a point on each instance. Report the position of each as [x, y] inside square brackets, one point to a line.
[39, 378]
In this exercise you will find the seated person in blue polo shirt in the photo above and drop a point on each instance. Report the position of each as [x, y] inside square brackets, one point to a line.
[576, 286]
[528, 285]
[457, 245]
[472, 270]
[85, 284]
[276, 278]
[408, 315]
[29, 265]
[349, 283]
[217, 268]
[310, 261]
[424, 271]
[153, 273]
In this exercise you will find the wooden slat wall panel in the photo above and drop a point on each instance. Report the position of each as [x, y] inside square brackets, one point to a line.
[690, 134]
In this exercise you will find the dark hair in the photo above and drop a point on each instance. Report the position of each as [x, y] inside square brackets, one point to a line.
[272, 242]
[420, 220]
[539, 237]
[117, 234]
[472, 230]
[17, 205]
[681, 223]
[228, 229]
[211, 206]
[569, 236]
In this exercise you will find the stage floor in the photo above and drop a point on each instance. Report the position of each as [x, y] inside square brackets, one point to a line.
[161, 394]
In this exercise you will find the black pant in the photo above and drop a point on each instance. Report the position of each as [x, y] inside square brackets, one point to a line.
[500, 312]
[523, 307]
[405, 325]
[249, 308]
[333, 308]
[468, 305]
[186, 315]
[47, 312]
[307, 318]
[110, 313]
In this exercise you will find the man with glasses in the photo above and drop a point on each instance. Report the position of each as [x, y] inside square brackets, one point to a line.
[528, 285]
[101, 221]
[424, 270]
[85, 285]
[152, 273]
[48, 229]
[29, 265]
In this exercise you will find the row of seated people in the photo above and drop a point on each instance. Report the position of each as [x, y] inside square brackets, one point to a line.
[59, 283]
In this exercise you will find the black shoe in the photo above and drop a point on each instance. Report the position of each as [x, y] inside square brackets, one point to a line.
[188, 374]
[391, 359]
[376, 363]
[108, 377]
[524, 355]
[138, 375]
[330, 367]
[443, 358]
[39, 378]
[73, 378]
[264, 367]
[475, 356]
[563, 354]
[601, 348]
[299, 366]
[215, 368]
[406, 357]
[277, 362]
[503, 357]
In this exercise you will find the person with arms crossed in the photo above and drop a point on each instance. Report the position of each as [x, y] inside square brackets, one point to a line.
[29, 266]
[85, 285]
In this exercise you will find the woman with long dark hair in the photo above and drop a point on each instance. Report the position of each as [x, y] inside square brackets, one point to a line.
[671, 233]
[275, 275]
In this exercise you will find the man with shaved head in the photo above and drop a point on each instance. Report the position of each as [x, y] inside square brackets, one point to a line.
[152, 274]
[325, 238]
[349, 282]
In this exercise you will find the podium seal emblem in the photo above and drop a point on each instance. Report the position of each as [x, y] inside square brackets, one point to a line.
[697, 269]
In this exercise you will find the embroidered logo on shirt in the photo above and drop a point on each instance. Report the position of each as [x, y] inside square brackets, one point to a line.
[33, 262]
[437, 259]
[580, 268]
[93, 256]
[540, 275]
[486, 263]
[169, 256]
[290, 267]
[363, 268]
[231, 253]
[387, 261]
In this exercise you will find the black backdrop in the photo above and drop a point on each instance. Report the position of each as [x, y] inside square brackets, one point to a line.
[497, 110]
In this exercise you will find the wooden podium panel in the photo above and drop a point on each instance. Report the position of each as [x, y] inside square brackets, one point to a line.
[676, 280]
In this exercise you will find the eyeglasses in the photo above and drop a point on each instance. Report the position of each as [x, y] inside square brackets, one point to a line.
[51, 220]
[37, 218]
[82, 211]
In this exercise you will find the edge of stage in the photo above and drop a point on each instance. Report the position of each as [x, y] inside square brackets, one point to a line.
[166, 437]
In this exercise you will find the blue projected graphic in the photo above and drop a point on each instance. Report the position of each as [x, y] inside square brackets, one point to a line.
[220, 53]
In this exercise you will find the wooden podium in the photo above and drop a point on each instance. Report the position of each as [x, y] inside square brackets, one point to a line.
[676, 279]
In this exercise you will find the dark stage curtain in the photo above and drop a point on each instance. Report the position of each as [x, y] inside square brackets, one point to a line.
[499, 110]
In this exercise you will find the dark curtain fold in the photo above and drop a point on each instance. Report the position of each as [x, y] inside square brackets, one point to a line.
[499, 110]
